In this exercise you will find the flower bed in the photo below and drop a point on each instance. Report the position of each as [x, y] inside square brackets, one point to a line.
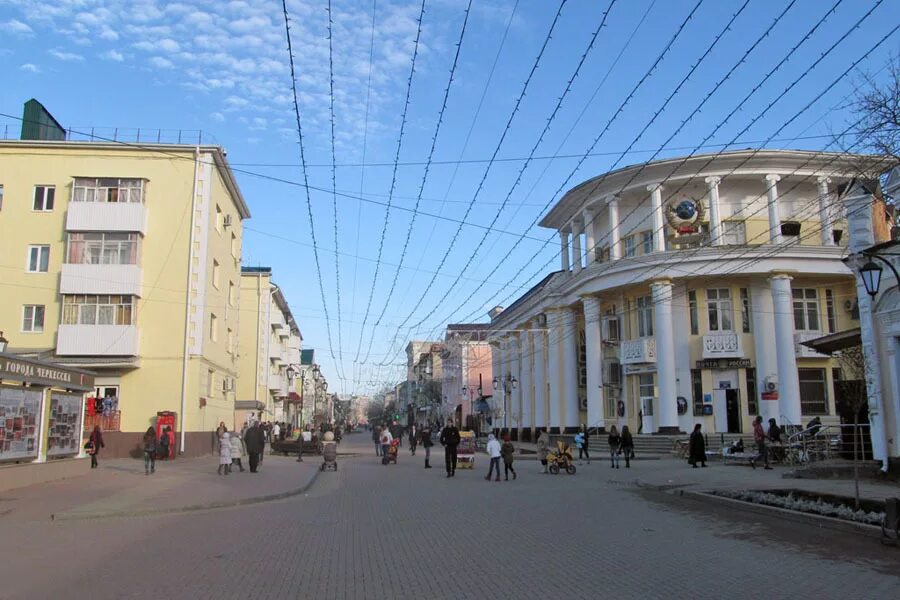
[839, 507]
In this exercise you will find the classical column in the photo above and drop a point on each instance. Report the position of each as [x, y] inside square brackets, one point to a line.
[526, 382]
[667, 409]
[576, 246]
[564, 249]
[594, 355]
[615, 251]
[774, 215]
[554, 375]
[590, 239]
[659, 233]
[824, 217]
[763, 334]
[538, 337]
[715, 220]
[788, 378]
[515, 398]
[570, 371]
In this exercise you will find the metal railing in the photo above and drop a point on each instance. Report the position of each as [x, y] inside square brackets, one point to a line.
[827, 442]
[125, 135]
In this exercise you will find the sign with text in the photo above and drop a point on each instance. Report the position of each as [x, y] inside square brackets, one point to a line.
[724, 363]
[41, 373]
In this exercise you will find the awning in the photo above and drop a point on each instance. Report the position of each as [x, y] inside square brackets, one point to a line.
[248, 405]
[293, 396]
[481, 406]
[835, 342]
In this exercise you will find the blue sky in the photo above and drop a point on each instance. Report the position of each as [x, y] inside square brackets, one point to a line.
[222, 67]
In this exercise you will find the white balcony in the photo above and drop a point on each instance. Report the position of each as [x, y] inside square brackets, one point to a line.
[100, 279]
[803, 351]
[276, 352]
[278, 384]
[107, 216]
[723, 344]
[640, 351]
[97, 340]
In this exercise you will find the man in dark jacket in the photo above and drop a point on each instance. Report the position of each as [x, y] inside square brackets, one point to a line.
[425, 435]
[255, 441]
[450, 440]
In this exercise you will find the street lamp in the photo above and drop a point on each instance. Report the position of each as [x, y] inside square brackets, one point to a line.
[509, 383]
[3, 342]
[871, 277]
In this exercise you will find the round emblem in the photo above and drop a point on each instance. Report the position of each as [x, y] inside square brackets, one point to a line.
[685, 215]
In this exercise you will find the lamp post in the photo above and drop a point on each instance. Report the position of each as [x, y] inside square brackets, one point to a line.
[467, 390]
[509, 383]
[3, 342]
[871, 272]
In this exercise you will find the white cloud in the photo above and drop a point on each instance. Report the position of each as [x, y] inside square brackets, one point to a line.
[15, 26]
[160, 63]
[218, 117]
[66, 56]
[113, 55]
[30, 68]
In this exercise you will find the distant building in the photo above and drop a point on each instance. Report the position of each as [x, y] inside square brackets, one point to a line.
[468, 374]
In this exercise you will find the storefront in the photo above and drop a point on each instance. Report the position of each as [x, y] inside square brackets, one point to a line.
[41, 416]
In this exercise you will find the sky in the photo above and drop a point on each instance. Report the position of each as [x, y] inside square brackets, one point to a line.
[424, 191]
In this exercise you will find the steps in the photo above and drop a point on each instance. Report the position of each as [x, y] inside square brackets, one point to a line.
[661, 445]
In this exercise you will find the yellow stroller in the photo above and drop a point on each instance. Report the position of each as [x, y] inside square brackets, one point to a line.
[561, 458]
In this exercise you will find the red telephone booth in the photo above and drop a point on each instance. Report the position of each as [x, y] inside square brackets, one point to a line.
[164, 419]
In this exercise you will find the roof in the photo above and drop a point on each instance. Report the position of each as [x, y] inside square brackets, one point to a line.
[835, 342]
[531, 292]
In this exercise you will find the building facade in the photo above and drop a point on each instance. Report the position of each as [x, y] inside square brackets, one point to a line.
[125, 261]
[686, 289]
[467, 372]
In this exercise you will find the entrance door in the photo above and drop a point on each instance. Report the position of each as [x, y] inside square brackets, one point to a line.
[647, 420]
[733, 410]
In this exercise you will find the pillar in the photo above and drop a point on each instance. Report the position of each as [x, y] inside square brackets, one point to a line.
[774, 215]
[570, 371]
[594, 353]
[590, 238]
[564, 249]
[555, 385]
[576, 246]
[788, 378]
[615, 251]
[659, 232]
[538, 340]
[515, 396]
[715, 219]
[667, 409]
[824, 217]
[763, 319]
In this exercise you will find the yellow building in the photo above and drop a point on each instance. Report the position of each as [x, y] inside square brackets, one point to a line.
[125, 260]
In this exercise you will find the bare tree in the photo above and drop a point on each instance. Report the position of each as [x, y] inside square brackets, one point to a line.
[877, 106]
[852, 390]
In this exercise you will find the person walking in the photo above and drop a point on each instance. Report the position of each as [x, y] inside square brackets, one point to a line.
[425, 434]
[697, 447]
[627, 446]
[149, 451]
[255, 441]
[507, 450]
[413, 440]
[276, 431]
[397, 432]
[164, 443]
[759, 436]
[493, 450]
[543, 449]
[376, 438]
[237, 451]
[615, 447]
[94, 443]
[224, 453]
[450, 440]
[386, 439]
[586, 443]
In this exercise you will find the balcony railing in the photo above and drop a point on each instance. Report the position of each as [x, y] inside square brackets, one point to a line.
[639, 351]
[106, 216]
[722, 344]
[804, 351]
[97, 340]
[100, 279]
[278, 383]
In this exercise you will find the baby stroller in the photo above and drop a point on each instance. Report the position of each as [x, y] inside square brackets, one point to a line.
[561, 458]
[392, 453]
[329, 453]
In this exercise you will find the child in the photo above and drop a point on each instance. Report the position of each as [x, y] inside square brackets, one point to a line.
[507, 450]
[493, 450]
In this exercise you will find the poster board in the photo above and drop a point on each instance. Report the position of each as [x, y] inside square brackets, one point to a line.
[20, 410]
[64, 427]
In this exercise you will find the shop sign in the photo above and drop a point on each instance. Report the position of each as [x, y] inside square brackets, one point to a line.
[639, 369]
[769, 395]
[41, 373]
[724, 363]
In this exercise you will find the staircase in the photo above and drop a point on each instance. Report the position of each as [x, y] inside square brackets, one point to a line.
[662, 445]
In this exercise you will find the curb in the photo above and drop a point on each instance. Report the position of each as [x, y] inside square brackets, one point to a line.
[190, 508]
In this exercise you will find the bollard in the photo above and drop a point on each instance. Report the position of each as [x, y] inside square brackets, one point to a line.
[890, 528]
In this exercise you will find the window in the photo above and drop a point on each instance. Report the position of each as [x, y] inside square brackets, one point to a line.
[210, 383]
[44, 195]
[219, 219]
[230, 341]
[646, 388]
[745, 310]
[630, 245]
[33, 318]
[582, 359]
[213, 327]
[645, 316]
[806, 310]
[215, 274]
[102, 249]
[231, 294]
[697, 388]
[235, 248]
[718, 306]
[813, 392]
[1, 196]
[98, 310]
[752, 401]
[107, 190]
[602, 253]
[647, 242]
[38, 259]
[829, 311]
[734, 233]
[692, 309]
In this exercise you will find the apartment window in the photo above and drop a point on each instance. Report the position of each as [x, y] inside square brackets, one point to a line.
[829, 311]
[98, 310]
[210, 383]
[602, 254]
[630, 245]
[813, 392]
[1, 196]
[235, 248]
[216, 274]
[734, 233]
[718, 307]
[213, 327]
[230, 340]
[745, 310]
[806, 310]
[107, 190]
[692, 309]
[232, 295]
[645, 316]
[44, 195]
[647, 242]
[752, 401]
[38, 259]
[582, 359]
[33, 318]
[697, 389]
[219, 219]
[102, 249]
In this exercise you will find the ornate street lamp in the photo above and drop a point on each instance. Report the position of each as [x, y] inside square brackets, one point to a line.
[871, 277]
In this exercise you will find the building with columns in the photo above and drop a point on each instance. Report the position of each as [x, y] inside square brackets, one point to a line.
[686, 288]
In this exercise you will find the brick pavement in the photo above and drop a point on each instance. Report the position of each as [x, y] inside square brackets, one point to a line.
[373, 531]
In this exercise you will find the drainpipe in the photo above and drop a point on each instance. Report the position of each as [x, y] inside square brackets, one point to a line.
[258, 309]
[187, 303]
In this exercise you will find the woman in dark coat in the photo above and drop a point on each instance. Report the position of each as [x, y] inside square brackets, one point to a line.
[95, 442]
[627, 446]
[697, 448]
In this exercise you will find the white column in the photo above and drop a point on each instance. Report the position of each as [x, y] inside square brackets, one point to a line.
[515, 397]
[576, 246]
[824, 216]
[774, 215]
[570, 369]
[615, 251]
[564, 249]
[763, 334]
[554, 375]
[526, 381]
[659, 233]
[715, 220]
[788, 378]
[539, 341]
[590, 239]
[667, 409]
[594, 353]
[681, 331]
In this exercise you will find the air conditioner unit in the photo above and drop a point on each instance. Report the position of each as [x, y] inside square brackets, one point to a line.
[226, 221]
[582, 402]
[610, 329]
[771, 384]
